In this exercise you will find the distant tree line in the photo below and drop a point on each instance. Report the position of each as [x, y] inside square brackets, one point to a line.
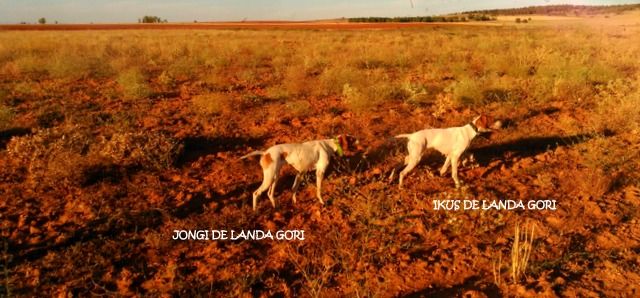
[564, 9]
[425, 19]
[151, 19]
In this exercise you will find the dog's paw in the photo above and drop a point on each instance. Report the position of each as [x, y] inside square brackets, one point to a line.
[393, 174]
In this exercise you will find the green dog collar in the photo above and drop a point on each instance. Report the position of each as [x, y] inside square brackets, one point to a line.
[338, 147]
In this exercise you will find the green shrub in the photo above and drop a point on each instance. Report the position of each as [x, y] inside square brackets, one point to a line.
[151, 20]
[69, 67]
[333, 80]
[27, 90]
[392, 92]
[296, 81]
[31, 65]
[355, 99]
[166, 81]
[277, 92]
[418, 94]
[211, 104]
[617, 105]
[466, 92]
[299, 108]
[49, 116]
[6, 116]
[133, 84]
[72, 66]
[184, 68]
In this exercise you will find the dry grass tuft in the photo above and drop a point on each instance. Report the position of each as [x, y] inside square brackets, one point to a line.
[212, 104]
[133, 84]
[521, 251]
[6, 116]
[50, 156]
[64, 155]
[149, 150]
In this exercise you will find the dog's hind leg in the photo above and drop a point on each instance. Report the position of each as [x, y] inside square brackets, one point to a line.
[410, 166]
[296, 184]
[395, 169]
[412, 160]
[266, 183]
[271, 191]
[445, 166]
[268, 173]
[272, 188]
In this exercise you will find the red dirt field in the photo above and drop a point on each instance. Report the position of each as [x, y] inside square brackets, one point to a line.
[75, 223]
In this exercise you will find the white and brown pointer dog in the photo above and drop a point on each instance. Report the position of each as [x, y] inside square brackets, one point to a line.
[451, 142]
[303, 157]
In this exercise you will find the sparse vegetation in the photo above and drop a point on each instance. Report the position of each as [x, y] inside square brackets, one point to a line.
[562, 10]
[150, 150]
[110, 140]
[51, 156]
[426, 19]
[133, 84]
[6, 116]
[212, 104]
[521, 251]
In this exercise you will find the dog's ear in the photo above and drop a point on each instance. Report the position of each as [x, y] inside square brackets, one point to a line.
[483, 121]
[342, 140]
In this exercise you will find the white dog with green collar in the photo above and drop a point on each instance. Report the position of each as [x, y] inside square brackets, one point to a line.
[303, 157]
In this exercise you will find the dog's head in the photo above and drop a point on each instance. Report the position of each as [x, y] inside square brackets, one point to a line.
[348, 145]
[483, 123]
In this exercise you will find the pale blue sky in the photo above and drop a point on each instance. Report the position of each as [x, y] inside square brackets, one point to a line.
[105, 11]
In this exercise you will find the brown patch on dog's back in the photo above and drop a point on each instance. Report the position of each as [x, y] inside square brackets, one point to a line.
[284, 155]
[266, 160]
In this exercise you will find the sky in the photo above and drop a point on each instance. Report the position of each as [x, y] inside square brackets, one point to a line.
[126, 11]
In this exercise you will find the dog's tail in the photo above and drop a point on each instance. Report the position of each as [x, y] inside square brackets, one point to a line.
[406, 135]
[254, 153]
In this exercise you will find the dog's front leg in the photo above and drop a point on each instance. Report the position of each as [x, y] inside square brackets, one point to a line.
[454, 169]
[319, 176]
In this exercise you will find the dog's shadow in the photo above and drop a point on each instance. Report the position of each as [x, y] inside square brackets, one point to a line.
[526, 147]
[197, 147]
[484, 154]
